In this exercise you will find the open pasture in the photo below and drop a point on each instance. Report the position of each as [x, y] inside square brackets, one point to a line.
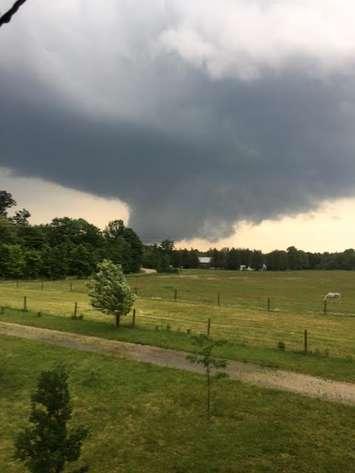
[242, 316]
[289, 291]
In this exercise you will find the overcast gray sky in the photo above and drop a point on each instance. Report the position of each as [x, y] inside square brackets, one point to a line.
[196, 115]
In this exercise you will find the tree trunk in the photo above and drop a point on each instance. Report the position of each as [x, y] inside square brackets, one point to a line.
[118, 317]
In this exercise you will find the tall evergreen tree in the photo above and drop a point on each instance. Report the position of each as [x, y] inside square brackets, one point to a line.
[47, 445]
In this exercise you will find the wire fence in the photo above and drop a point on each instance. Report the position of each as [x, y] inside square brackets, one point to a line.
[237, 329]
[310, 304]
[255, 335]
[296, 341]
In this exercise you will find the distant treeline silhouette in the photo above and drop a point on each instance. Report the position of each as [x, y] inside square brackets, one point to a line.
[165, 256]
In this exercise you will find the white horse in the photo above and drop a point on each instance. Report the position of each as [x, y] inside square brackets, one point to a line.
[332, 295]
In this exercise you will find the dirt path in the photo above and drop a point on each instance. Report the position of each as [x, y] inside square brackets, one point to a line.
[246, 372]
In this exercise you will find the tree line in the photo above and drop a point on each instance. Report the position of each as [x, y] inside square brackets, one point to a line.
[280, 260]
[74, 247]
[64, 247]
[165, 257]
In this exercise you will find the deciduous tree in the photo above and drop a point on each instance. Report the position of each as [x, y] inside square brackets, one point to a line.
[211, 365]
[110, 292]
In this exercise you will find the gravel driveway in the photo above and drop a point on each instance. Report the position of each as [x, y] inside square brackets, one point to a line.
[246, 372]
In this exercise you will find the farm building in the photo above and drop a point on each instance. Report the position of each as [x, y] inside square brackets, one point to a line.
[204, 261]
[244, 267]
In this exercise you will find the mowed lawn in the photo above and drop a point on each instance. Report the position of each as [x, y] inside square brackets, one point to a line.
[148, 419]
[242, 316]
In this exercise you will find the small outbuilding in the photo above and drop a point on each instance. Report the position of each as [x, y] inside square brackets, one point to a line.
[204, 261]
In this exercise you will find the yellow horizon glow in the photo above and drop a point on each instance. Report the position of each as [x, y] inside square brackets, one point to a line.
[329, 228]
[46, 200]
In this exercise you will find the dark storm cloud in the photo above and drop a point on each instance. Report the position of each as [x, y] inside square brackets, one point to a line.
[214, 152]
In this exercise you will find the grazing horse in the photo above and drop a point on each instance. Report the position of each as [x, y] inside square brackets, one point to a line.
[332, 295]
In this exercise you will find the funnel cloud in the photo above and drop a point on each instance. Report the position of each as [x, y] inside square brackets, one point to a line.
[197, 116]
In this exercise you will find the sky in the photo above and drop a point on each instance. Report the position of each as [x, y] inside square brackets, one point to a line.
[226, 123]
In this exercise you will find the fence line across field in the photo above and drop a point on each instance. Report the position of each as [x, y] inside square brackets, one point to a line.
[249, 330]
[300, 341]
[268, 303]
[261, 303]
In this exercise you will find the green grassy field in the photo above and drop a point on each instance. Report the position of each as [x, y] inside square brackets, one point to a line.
[149, 419]
[341, 369]
[296, 302]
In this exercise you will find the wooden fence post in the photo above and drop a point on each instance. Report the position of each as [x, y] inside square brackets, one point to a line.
[306, 342]
[219, 299]
[175, 295]
[268, 304]
[75, 314]
[325, 307]
[71, 287]
[25, 303]
[134, 318]
[208, 327]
